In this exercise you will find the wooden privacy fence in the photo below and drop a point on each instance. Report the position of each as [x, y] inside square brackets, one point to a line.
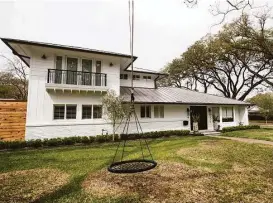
[12, 120]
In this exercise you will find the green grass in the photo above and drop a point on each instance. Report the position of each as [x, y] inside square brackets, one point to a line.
[260, 134]
[215, 156]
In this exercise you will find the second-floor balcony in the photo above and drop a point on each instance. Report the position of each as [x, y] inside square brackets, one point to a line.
[76, 80]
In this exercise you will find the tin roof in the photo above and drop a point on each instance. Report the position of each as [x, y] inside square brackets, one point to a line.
[172, 95]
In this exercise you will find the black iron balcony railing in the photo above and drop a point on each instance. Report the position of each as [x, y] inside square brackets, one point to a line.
[76, 77]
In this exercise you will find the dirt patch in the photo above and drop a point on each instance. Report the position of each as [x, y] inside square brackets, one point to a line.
[175, 182]
[30, 185]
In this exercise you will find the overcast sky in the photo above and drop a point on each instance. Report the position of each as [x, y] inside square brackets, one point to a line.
[163, 28]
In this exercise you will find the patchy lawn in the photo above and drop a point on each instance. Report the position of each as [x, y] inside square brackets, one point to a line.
[190, 169]
[260, 134]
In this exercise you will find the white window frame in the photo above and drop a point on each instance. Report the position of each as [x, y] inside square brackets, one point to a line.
[145, 106]
[136, 78]
[65, 119]
[122, 74]
[159, 107]
[233, 116]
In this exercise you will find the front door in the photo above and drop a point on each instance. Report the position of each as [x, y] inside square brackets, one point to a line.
[202, 112]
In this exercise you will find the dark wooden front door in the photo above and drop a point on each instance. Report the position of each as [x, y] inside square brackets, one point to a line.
[202, 112]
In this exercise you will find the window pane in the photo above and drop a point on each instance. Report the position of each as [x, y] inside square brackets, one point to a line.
[58, 111]
[97, 111]
[86, 111]
[59, 61]
[71, 111]
[142, 111]
[156, 111]
[148, 111]
[161, 111]
[72, 64]
[86, 65]
[125, 76]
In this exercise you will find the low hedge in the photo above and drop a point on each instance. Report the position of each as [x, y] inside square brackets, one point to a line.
[53, 142]
[235, 128]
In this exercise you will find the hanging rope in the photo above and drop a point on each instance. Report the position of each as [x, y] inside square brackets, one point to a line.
[135, 165]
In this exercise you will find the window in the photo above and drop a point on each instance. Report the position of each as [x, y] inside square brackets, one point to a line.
[58, 112]
[147, 77]
[227, 114]
[159, 111]
[58, 71]
[86, 111]
[136, 77]
[145, 111]
[86, 65]
[71, 111]
[72, 67]
[97, 111]
[124, 76]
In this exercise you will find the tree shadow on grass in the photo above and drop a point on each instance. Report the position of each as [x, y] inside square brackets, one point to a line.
[72, 188]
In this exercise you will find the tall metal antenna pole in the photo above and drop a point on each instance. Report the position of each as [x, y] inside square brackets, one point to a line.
[131, 25]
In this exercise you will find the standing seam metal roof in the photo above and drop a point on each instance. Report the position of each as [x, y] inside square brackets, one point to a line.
[174, 95]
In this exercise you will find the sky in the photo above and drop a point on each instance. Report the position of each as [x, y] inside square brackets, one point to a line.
[163, 28]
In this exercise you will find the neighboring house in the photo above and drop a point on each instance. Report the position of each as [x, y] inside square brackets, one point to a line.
[66, 86]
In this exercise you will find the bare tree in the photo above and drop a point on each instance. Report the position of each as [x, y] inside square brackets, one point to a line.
[15, 75]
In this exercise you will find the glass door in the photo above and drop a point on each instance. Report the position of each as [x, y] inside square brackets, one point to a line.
[86, 72]
[98, 73]
[72, 67]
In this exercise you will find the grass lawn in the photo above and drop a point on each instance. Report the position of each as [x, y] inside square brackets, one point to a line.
[260, 134]
[190, 169]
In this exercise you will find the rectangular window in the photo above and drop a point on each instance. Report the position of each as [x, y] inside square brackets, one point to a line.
[71, 111]
[86, 111]
[98, 78]
[136, 77]
[227, 114]
[58, 112]
[159, 111]
[124, 76]
[147, 77]
[145, 111]
[86, 65]
[97, 111]
[59, 61]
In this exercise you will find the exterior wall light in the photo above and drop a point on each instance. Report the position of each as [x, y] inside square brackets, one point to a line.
[44, 56]
[111, 64]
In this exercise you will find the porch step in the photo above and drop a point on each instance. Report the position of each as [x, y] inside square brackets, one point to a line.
[211, 133]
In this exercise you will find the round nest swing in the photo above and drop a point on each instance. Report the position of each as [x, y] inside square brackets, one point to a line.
[133, 165]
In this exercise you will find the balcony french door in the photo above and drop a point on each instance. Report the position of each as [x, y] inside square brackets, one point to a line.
[72, 74]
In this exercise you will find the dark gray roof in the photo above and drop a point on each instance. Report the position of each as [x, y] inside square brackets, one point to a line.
[59, 46]
[174, 95]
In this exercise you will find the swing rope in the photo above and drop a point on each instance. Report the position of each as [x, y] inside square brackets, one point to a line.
[133, 165]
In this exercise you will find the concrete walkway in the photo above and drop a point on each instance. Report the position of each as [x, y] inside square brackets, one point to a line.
[246, 140]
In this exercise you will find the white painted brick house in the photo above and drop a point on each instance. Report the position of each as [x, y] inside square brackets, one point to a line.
[66, 86]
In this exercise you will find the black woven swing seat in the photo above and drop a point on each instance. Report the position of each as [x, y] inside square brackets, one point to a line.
[132, 166]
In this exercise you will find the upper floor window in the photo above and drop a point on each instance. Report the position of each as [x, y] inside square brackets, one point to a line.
[159, 111]
[147, 77]
[124, 76]
[145, 111]
[59, 61]
[86, 65]
[136, 77]
[227, 114]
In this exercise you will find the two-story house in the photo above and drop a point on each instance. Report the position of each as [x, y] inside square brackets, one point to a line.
[66, 86]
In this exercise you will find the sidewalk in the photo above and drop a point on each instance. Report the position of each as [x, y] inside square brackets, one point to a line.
[246, 140]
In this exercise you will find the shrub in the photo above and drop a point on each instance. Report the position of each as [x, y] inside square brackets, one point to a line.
[87, 140]
[235, 128]
[55, 142]
[34, 143]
